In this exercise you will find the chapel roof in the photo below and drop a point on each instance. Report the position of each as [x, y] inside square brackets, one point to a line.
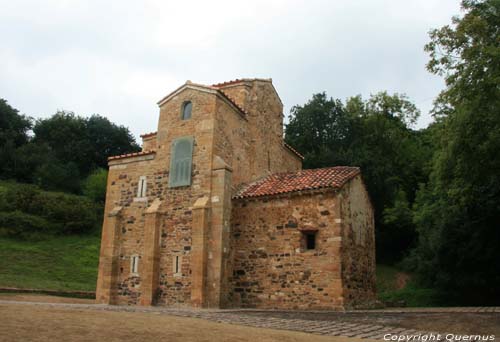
[312, 179]
[129, 155]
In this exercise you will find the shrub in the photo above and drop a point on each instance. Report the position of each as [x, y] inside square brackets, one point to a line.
[17, 224]
[58, 176]
[47, 212]
[76, 214]
[94, 187]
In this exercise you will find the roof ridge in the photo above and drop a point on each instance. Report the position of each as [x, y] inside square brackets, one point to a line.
[129, 155]
[293, 150]
[147, 135]
[240, 80]
[233, 101]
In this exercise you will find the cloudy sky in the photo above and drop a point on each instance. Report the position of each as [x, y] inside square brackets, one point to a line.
[118, 58]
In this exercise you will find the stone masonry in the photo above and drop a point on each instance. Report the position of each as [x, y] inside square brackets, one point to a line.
[243, 226]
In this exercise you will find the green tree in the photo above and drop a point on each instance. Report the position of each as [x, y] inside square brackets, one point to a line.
[86, 142]
[458, 212]
[107, 139]
[14, 129]
[94, 186]
[321, 130]
[13, 126]
[58, 176]
[376, 135]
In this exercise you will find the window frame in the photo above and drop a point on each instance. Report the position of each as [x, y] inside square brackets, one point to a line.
[142, 187]
[177, 265]
[173, 182]
[183, 109]
[305, 236]
[134, 264]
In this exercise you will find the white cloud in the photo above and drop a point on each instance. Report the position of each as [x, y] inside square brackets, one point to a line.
[117, 58]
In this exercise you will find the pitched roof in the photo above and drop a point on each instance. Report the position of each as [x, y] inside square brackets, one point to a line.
[210, 89]
[239, 80]
[281, 183]
[148, 135]
[128, 155]
[293, 150]
[233, 101]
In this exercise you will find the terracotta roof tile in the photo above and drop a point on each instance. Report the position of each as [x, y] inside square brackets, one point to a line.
[147, 135]
[223, 84]
[281, 183]
[128, 155]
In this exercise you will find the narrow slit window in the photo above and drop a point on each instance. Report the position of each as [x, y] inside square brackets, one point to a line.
[134, 264]
[309, 240]
[177, 264]
[141, 189]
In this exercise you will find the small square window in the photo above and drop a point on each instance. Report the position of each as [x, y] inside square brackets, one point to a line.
[309, 240]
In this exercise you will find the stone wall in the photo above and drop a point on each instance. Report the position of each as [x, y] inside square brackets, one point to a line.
[253, 146]
[229, 149]
[271, 267]
[358, 244]
[175, 209]
[149, 142]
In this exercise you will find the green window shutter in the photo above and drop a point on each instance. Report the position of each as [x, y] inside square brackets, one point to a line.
[181, 160]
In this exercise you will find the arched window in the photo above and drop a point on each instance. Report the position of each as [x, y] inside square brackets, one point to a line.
[181, 158]
[186, 110]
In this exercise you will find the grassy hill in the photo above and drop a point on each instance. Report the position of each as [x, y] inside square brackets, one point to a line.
[394, 286]
[57, 263]
[47, 255]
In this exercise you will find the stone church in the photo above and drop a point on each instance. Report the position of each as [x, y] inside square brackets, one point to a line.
[216, 212]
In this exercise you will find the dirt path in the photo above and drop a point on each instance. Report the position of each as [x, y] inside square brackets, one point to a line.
[57, 323]
[371, 324]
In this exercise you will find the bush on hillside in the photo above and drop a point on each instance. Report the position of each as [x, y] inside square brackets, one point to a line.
[94, 187]
[16, 224]
[46, 212]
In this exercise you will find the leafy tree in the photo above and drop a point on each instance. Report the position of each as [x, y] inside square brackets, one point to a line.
[376, 135]
[321, 130]
[14, 129]
[458, 212]
[28, 158]
[94, 186]
[87, 142]
[65, 134]
[13, 126]
[58, 176]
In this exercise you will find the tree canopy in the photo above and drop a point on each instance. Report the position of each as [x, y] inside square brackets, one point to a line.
[63, 151]
[458, 212]
[376, 135]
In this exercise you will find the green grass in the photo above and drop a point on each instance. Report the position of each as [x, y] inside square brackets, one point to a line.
[56, 263]
[412, 294]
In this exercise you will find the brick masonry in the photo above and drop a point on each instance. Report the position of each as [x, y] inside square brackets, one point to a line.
[198, 246]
